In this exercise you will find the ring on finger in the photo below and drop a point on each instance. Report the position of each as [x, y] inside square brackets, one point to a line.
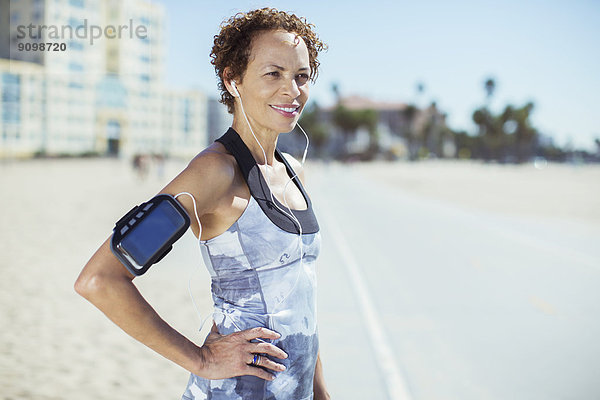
[256, 360]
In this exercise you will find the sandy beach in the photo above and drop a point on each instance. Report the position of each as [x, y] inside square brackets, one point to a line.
[55, 345]
[55, 213]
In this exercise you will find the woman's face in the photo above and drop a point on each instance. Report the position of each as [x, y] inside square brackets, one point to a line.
[274, 88]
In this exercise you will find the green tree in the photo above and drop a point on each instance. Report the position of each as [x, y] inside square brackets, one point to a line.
[345, 120]
[420, 89]
[491, 127]
[368, 119]
[467, 145]
[412, 136]
[491, 134]
[349, 121]
[335, 88]
[525, 133]
[490, 87]
[508, 134]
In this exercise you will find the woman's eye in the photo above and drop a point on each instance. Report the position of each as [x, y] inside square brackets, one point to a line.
[273, 74]
[301, 79]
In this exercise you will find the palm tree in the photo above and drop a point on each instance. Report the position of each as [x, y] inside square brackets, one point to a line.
[368, 119]
[349, 121]
[490, 132]
[420, 87]
[525, 134]
[490, 88]
[410, 113]
[335, 88]
[345, 120]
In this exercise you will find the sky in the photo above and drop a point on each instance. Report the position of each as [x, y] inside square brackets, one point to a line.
[547, 52]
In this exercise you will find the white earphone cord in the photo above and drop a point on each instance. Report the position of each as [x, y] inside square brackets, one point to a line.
[202, 321]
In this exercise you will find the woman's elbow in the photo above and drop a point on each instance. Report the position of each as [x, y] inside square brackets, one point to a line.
[89, 284]
[94, 281]
[100, 274]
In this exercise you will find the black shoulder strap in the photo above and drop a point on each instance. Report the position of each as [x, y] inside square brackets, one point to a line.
[262, 193]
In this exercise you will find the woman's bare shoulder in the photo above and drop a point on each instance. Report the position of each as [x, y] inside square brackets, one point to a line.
[213, 160]
[209, 176]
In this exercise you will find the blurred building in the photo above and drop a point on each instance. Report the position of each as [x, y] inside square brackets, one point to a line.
[184, 125]
[402, 130]
[104, 93]
[219, 119]
[22, 123]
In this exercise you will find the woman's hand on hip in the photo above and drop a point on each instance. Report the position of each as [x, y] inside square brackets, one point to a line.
[226, 356]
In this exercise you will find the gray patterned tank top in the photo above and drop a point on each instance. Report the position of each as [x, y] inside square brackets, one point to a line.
[259, 279]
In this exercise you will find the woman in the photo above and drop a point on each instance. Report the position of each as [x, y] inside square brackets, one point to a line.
[258, 234]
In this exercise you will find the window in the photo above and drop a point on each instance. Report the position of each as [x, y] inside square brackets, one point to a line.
[8, 79]
[11, 112]
[10, 94]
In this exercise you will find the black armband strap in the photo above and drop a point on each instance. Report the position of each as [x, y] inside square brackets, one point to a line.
[146, 234]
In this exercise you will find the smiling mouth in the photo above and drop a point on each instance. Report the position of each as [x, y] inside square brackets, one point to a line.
[286, 109]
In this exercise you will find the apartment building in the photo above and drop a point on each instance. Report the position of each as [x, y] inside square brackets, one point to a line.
[104, 93]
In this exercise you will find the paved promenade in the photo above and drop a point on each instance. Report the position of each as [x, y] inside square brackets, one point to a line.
[437, 280]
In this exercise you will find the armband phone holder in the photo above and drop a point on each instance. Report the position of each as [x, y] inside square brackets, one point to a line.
[147, 232]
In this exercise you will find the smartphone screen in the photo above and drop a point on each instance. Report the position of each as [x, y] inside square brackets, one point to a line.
[150, 234]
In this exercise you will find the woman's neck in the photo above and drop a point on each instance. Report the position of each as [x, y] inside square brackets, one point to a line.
[268, 140]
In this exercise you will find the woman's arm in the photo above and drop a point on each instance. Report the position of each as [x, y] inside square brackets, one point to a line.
[319, 387]
[107, 284]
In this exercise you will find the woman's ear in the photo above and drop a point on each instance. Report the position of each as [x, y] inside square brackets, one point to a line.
[230, 82]
[234, 88]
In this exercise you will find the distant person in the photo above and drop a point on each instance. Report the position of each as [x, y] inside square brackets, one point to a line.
[259, 236]
[141, 166]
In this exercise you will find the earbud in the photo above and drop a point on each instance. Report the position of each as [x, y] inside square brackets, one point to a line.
[235, 91]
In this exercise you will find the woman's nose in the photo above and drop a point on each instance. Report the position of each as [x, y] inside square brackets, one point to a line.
[291, 88]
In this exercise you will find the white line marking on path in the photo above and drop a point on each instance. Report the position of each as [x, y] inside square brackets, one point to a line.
[395, 383]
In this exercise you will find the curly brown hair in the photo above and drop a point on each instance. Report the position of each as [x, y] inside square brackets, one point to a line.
[233, 43]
